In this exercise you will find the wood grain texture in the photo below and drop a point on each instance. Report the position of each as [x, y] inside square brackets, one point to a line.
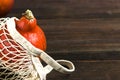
[91, 70]
[68, 8]
[77, 29]
[98, 37]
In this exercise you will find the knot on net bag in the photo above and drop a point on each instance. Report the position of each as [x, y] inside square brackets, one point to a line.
[19, 59]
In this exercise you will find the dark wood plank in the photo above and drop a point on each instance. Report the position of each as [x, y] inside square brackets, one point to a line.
[91, 70]
[72, 28]
[86, 38]
[68, 8]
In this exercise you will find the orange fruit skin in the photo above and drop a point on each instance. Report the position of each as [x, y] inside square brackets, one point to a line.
[32, 32]
[5, 7]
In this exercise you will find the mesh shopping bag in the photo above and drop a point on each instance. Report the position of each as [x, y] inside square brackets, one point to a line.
[19, 59]
[15, 63]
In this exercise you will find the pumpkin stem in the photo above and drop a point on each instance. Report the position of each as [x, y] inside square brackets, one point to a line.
[28, 14]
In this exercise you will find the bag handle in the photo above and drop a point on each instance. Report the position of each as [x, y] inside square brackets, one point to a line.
[52, 64]
[47, 69]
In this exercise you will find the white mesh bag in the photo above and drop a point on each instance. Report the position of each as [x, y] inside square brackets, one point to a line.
[19, 59]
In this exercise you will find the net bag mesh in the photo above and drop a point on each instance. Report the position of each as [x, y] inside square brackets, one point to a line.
[19, 59]
[15, 62]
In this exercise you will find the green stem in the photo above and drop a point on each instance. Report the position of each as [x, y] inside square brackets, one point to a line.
[28, 14]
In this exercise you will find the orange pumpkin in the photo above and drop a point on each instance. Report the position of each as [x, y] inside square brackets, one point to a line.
[27, 27]
[5, 7]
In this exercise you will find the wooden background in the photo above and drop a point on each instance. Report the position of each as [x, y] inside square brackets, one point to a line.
[86, 32]
[75, 9]
[85, 28]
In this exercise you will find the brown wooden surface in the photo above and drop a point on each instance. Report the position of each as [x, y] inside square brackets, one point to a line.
[69, 8]
[86, 38]
[71, 30]
[91, 70]
[86, 32]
